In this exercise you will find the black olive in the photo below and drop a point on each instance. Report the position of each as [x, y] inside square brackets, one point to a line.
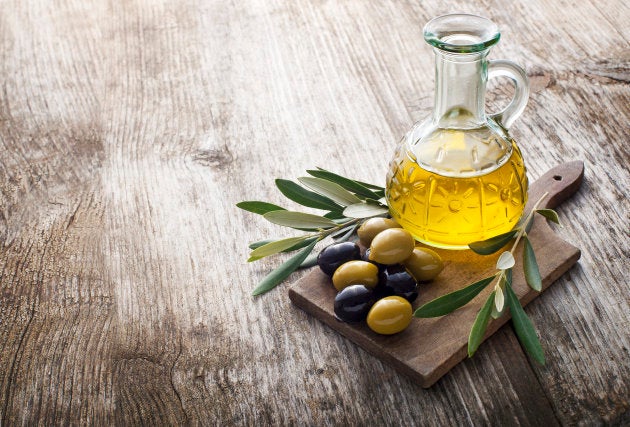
[353, 303]
[336, 254]
[396, 280]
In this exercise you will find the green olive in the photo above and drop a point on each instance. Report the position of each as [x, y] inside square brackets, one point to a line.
[423, 264]
[389, 315]
[370, 228]
[355, 272]
[391, 246]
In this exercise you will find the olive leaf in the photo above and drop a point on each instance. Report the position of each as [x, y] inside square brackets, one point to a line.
[529, 225]
[506, 260]
[376, 188]
[335, 215]
[279, 274]
[260, 243]
[478, 329]
[507, 277]
[346, 183]
[498, 299]
[524, 329]
[310, 261]
[365, 210]
[331, 190]
[495, 313]
[530, 266]
[279, 246]
[257, 207]
[451, 302]
[299, 220]
[550, 214]
[490, 246]
[304, 197]
[344, 234]
[340, 221]
[506, 280]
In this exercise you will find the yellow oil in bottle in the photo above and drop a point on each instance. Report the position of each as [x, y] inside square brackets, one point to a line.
[455, 210]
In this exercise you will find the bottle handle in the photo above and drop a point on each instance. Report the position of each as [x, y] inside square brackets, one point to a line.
[504, 68]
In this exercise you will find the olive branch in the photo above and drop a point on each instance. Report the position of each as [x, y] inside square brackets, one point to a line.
[495, 303]
[348, 203]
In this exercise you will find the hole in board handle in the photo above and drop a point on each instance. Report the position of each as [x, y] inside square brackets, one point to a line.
[557, 177]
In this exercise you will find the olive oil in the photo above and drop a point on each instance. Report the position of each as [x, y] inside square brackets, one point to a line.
[462, 205]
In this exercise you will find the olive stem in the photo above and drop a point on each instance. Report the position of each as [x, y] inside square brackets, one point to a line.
[521, 232]
[326, 233]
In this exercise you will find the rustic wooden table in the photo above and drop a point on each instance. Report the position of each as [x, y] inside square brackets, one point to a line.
[129, 130]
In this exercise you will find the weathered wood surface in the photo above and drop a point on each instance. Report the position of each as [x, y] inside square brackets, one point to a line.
[128, 131]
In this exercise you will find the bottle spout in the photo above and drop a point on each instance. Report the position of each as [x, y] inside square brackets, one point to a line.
[461, 33]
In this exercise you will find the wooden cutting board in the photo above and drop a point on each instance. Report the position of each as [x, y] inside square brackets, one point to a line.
[429, 348]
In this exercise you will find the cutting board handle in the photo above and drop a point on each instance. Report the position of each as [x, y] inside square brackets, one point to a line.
[561, 182]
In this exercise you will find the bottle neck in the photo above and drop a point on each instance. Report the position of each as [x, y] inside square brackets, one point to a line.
[460, 89]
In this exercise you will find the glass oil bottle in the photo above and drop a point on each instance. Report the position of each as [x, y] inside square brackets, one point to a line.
[458, 176]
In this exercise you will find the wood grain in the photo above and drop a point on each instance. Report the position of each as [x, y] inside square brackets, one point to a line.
[129, 130]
